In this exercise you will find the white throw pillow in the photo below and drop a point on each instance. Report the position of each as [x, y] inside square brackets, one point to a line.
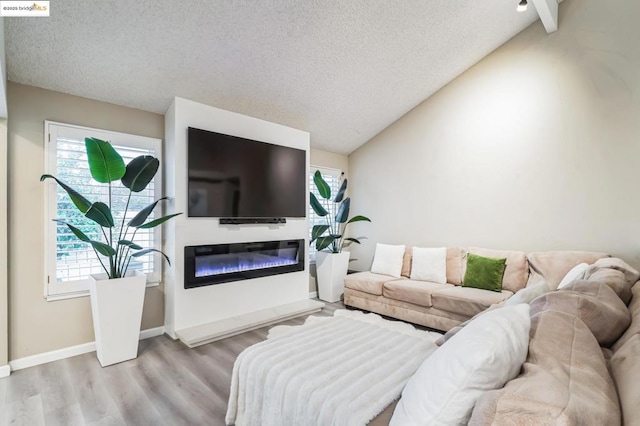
[526, 295]
[484, 355]
[429, 264]
[388, 260]
[576, 273]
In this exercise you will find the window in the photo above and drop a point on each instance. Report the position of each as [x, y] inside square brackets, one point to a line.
[69, 261]
[332, 177]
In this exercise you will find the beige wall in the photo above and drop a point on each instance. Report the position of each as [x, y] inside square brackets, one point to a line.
[333, 161]
[35, 325]
[330, 160]
[4, 313]
[537, 147]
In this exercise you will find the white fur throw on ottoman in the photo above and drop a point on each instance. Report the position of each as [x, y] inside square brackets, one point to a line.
[340, 370]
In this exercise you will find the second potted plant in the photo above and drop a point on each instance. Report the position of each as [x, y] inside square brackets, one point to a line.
[332, 262]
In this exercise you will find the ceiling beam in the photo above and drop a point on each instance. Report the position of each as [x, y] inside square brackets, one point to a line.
[548, 11]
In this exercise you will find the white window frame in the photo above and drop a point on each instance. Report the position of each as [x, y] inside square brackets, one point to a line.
[64, 290]
[324, 171]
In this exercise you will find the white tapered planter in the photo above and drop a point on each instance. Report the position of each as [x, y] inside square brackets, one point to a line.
[116, 306]
[331, 269]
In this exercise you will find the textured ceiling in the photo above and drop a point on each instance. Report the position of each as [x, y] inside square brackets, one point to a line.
[340, 69]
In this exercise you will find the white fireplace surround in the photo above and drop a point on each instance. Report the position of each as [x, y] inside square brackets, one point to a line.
[205, 308]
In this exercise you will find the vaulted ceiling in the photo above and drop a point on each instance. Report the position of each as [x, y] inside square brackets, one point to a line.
[340, 69]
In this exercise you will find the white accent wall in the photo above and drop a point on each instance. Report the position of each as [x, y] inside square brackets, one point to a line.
[190, 307]
[536, 147]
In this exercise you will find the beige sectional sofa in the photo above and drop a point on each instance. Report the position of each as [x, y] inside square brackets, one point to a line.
[583, 359]
[444, 306]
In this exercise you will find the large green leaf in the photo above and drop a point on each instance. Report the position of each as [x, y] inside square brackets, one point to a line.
[130, 244]
[316, 206]
[157, 222]
[105, 164]
[317, 231]
[78, 200]
[78, 233]
[353, 240]
[341, 191]
[324, 242]
[146, 251]
[343, 211]
[144, 213]
[139, 172]
[359, 218]
[100, 213]
[103, 249]
[323, 187]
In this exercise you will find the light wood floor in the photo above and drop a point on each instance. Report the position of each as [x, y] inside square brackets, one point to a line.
[168, 384]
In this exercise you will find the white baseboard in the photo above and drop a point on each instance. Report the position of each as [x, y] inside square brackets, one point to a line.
[5, 370]
[43, 358]
[151, 332]
[313, 295]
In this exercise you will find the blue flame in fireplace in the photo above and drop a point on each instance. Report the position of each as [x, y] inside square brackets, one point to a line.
[240, 262]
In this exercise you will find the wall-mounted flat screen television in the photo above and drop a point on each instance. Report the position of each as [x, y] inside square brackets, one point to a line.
[233, 177]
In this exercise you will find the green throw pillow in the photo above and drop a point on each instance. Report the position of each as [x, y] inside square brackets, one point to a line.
[484, 272]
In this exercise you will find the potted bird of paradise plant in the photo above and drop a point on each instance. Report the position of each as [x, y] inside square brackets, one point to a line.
[117, 295]
[330, 238]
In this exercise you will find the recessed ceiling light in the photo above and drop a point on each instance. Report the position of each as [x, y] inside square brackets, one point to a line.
[522, 6]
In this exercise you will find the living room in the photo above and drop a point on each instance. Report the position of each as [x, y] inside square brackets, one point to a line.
[513, 138]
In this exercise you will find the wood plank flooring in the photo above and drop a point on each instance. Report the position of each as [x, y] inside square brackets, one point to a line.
[168, 384]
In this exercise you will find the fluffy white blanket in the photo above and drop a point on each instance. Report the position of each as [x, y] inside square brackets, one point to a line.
[340, 370]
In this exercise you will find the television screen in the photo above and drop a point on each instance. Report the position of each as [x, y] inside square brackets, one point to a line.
[235, 177]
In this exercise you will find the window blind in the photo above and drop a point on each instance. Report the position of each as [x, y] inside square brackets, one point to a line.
[333, 178]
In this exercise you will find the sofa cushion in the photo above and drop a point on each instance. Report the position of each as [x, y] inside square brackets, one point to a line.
[625, 367]
[634, 327]
[416, 292]
[466, 300]
[554, 265]
[614, 278]
[416, 314]
[483, 356]
[594, 303]
[367, 282]
[456, 258]
[406, 262]
[563, 381]
[517, 271]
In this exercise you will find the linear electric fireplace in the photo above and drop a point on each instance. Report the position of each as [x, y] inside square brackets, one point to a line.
[223, 263]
